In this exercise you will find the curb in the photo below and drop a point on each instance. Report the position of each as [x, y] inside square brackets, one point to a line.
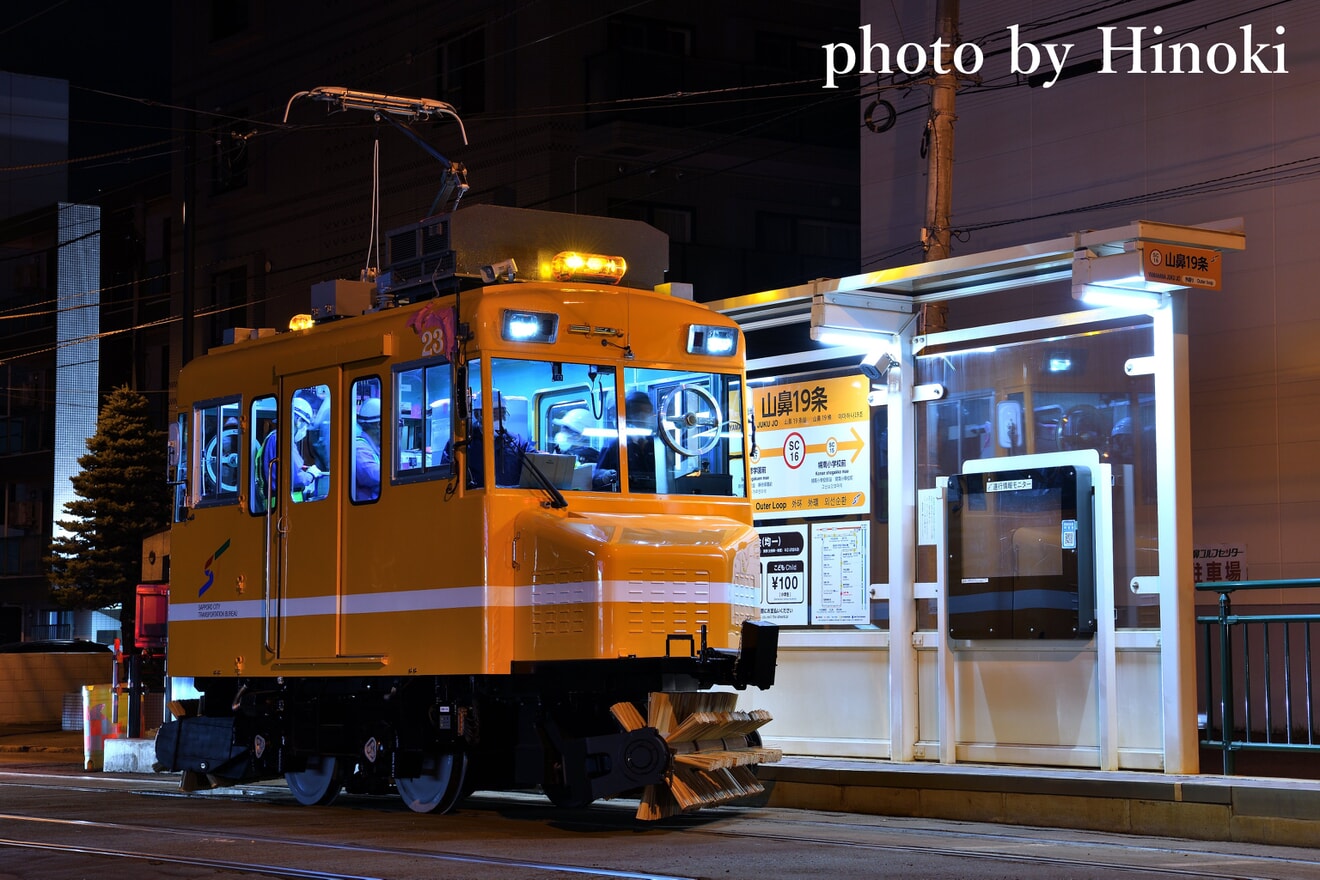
[1267, 811]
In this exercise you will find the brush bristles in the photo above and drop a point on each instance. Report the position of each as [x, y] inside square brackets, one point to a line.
[713, 755]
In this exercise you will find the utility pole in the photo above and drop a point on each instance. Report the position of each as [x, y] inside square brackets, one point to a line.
[189, 237]
[938, 146]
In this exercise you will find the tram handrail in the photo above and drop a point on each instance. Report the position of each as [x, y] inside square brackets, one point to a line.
[1264, 737]
[272, 468]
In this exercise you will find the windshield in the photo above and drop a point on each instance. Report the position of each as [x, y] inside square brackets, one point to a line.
[681, 430]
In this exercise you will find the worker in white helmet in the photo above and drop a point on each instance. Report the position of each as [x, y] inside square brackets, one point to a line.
[304, 472]
[571, 438]
[366, 451]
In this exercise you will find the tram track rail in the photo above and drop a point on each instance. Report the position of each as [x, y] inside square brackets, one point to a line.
[892, 840]
[158, 859]
[421, 858]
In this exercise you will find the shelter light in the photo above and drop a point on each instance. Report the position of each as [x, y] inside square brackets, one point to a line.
[870, 323]
[523, 326]
[1118, 297]
[716, 341]
[598, 268]
[858, 320]
[843, 337]
[1116, 280]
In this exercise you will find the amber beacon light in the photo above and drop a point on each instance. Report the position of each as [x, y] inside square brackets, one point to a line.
[574, 266]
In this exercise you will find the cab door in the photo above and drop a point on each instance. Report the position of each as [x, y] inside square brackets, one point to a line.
[307, 525]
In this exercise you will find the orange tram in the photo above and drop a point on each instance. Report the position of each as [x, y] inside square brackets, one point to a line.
[498, 538]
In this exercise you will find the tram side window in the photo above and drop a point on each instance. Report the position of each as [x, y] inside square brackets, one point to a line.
[178, 468]
[422, 425]
[309, 445]
[473, 456]
[364, 477]
[262, 479]
[220, 435]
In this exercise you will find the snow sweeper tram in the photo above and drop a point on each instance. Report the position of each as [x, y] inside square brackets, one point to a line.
[498, 538]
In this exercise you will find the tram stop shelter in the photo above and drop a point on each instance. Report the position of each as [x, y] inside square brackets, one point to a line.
[978, 538]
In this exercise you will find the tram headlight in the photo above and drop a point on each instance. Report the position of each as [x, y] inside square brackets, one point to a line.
[522, 326]
[713, 341]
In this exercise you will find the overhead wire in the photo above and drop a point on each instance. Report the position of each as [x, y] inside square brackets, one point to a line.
[1016, 81]
[1299, 169]
[33, 17]
[663, 101]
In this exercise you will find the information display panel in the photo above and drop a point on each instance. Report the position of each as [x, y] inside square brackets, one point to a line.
[1021, 554]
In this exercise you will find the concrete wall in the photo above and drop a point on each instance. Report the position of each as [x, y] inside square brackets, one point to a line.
[34, 684]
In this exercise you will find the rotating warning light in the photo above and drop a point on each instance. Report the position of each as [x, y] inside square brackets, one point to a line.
[520, 326]
[575, 266]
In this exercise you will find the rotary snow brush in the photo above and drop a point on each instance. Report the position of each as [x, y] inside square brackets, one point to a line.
[713, 750]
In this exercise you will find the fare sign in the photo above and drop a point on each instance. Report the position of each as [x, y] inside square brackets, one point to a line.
[1181, 265]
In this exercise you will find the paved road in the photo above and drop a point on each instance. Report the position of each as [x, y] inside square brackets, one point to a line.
[58, 821]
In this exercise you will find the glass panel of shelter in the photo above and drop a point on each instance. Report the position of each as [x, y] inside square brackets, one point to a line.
[1057, 394]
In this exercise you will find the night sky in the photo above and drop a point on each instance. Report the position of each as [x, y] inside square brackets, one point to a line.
[116, 58]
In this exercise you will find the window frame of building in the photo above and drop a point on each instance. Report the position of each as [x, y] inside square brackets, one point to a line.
[460, 70]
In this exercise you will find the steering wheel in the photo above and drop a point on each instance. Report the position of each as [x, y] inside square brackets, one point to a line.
[225, 462]
[690, 420]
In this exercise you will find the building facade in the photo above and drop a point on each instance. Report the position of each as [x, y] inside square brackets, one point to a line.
[705, 124]
[80, 286]
[1096, 150]
[50, 290]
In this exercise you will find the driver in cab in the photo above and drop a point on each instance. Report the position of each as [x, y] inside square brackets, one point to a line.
[639, 414]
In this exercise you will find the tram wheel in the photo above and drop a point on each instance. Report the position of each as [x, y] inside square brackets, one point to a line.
[319, 784]
[439, 787]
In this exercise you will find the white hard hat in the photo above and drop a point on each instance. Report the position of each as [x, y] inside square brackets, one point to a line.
[576, 420]
[369, 411]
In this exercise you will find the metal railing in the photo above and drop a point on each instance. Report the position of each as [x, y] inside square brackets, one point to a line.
[1259, 687]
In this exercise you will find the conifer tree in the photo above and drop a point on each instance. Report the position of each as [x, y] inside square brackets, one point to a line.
[122, 498]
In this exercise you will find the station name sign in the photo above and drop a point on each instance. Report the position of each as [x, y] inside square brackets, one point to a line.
[1179, 264]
